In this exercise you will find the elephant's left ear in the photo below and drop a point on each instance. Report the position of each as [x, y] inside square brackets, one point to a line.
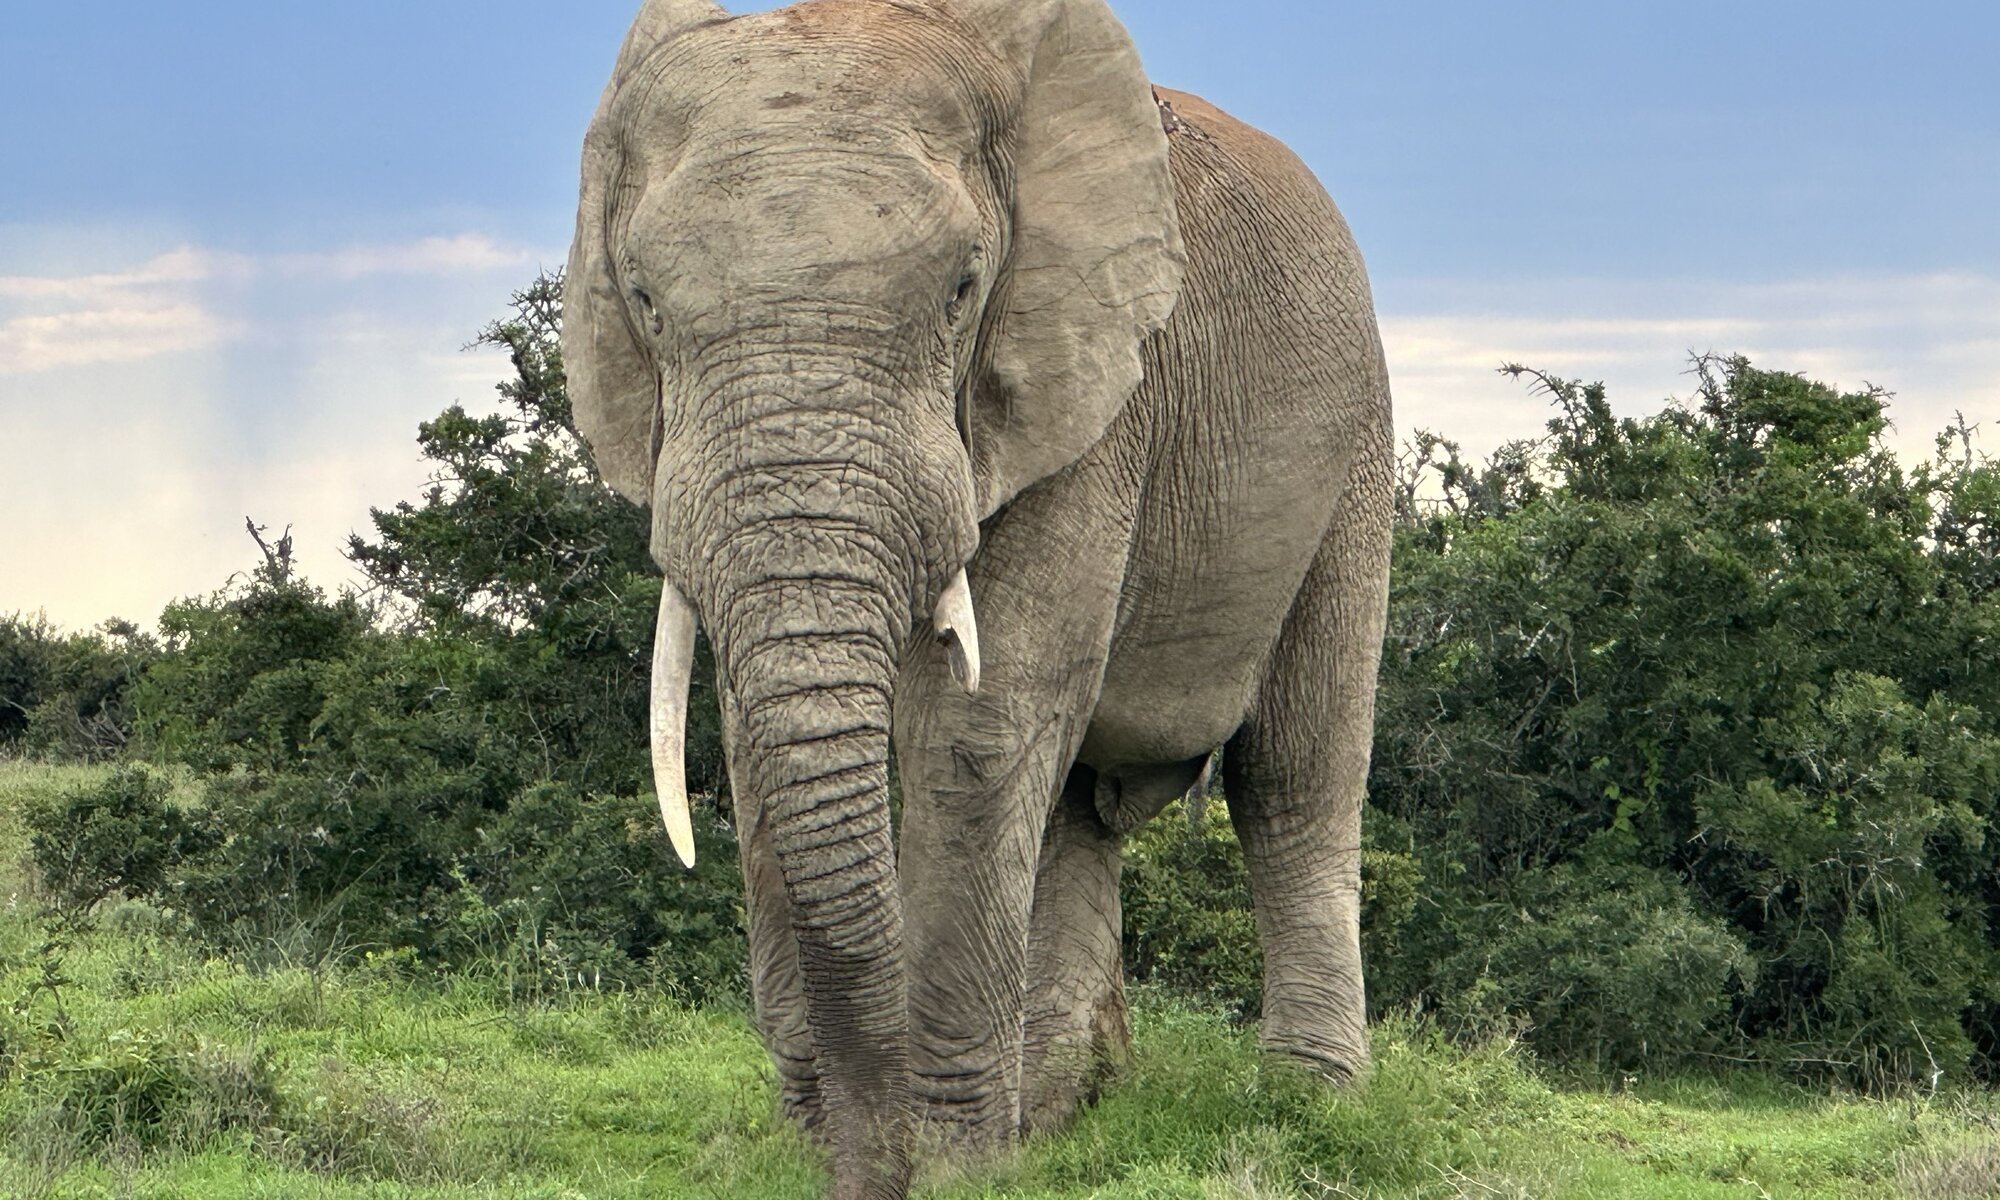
[613, 386]
[1096, 262]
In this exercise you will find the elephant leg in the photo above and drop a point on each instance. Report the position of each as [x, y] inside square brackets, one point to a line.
[1076, 1031]
[777, 989]
[972, 835]
[980, 774]
[1295, 776]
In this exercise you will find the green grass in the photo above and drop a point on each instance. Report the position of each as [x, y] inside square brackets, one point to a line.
[153, 1072]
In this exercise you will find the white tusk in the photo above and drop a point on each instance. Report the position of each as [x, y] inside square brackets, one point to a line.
[954, 623]
[673, 663]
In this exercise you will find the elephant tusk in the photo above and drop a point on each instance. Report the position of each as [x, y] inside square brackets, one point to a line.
[673, 663]
[955, 624]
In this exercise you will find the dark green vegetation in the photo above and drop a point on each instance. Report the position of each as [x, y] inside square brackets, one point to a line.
[1688, 757]
[1689, 733]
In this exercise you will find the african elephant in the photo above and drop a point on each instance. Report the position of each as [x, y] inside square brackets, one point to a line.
[894, 310]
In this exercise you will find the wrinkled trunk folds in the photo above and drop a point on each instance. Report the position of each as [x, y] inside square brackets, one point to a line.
[816, 516]
[809, 677]
[808, 593]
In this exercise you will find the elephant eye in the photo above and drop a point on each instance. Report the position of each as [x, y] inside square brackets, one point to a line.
[956, 308]
[645, 302]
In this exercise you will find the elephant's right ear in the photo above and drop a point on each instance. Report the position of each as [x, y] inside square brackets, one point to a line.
[613, 386]
[1096, 261]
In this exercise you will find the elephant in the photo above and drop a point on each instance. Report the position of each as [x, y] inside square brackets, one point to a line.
[1002, 411]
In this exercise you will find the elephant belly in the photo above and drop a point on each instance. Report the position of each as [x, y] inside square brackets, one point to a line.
[1204, 600]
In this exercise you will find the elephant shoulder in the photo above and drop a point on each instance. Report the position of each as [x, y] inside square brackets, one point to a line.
[1222, 163]
[1233, 144]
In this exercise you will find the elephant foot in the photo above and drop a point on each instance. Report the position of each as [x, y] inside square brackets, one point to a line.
[968, 1117]
[1342, 1066]
[883, 1182]
[1070, 1057]
[801, 1106]
[872, 1188]
[869, 1157]
[1318, 1024]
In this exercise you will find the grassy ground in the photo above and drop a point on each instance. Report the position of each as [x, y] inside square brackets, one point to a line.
[151, 1072]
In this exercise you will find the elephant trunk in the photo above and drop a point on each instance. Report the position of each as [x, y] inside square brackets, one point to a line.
[816, 546]
[808, 665]
[673, 670]
[809, 704]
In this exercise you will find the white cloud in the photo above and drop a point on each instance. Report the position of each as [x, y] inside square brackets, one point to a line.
[1927, 338]
[105, 335]
[146, 410]
[430, 256]
[169, 304]
[183, 265]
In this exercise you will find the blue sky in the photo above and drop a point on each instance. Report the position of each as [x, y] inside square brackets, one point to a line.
[241, 244]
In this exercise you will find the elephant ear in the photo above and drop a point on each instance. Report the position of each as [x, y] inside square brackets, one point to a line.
[613, 386]
[1096, 261]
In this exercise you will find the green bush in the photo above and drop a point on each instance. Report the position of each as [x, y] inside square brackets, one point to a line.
[567, 891]
[147, 1088]
[1190, 926]
[368, 790]
[1693, 715]
[345, 1122]
[65, 695]
[245, 674]
[1188, 922]
[116, 836]
[302, 870]
[1611, 969]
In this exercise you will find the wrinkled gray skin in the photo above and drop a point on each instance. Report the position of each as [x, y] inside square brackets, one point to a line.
[867, 291]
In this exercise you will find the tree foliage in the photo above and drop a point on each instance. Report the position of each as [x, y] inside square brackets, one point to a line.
[1690, 723]
[119, 836]
[64, 695]
[1688, 739]
[453, 762]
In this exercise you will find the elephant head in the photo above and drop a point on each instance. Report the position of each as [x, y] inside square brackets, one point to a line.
[847, 277]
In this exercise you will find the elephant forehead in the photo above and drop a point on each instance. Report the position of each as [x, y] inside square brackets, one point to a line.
[768, 208]
[895, 67]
